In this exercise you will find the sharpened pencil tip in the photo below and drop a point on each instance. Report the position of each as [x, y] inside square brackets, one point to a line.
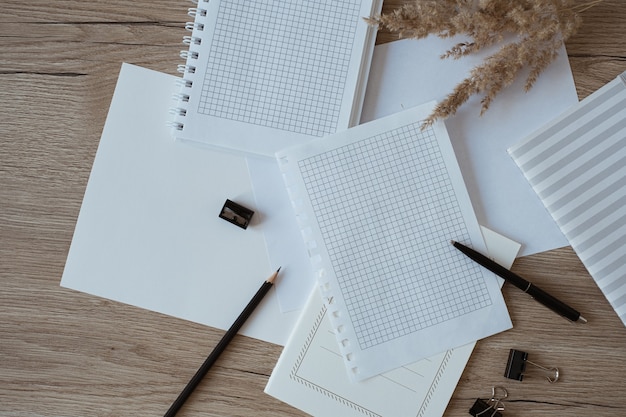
[273, 277]
[582, 319]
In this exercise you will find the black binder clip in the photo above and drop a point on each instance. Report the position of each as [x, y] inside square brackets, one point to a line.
[516, 365]
[492, 406]
[236, 214]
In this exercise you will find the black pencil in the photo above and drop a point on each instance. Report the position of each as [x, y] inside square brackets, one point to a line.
[221, 346]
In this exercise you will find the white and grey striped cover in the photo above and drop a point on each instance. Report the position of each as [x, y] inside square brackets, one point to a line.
[577, 166]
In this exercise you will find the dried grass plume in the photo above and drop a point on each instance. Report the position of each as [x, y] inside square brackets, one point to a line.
[539, 27]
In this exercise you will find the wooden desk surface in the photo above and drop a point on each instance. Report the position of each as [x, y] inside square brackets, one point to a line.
[64, 353]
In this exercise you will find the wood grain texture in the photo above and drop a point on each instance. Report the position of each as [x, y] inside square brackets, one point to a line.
[64, 353]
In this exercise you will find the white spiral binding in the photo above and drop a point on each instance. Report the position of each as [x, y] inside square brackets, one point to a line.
[188, 69]
[188, 55]
[181, 97]
[177, 111]
[183, 83]
[194, 11]
[184, 69]
[192, 26]
[191, 40]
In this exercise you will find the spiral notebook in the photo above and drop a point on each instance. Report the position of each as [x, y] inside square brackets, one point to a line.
[577, 166]
[261, 75]
[378, 205]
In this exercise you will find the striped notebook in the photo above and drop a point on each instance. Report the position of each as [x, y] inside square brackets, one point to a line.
[577, 166]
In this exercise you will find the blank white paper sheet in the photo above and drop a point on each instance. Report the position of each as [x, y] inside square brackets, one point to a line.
[148, 233]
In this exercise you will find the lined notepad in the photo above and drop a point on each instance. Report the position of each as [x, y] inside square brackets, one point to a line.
[379, 204]
[261, 75]
[577, 166]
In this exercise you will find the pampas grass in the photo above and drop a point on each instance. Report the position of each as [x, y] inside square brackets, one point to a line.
[539, 28]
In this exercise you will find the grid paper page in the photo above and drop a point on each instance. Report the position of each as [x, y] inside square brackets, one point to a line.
[385, 207]
[577, 166]
[260, 74]
[421, 202]
[269, 74]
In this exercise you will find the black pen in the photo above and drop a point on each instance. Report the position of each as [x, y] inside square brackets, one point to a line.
[532, 290]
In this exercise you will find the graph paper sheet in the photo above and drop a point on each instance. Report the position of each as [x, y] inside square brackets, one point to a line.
[378, 205]
[268, 74]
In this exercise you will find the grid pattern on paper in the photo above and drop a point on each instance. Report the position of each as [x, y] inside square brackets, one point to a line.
[280, 64]
[387, 211]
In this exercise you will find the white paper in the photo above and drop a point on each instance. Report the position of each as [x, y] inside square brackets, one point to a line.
[310, 375]
[285, 245]
[378, 205]
[409, 72]
[148, 233]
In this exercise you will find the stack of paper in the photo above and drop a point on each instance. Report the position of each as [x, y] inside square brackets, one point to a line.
[378, 205]
[310, 374]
